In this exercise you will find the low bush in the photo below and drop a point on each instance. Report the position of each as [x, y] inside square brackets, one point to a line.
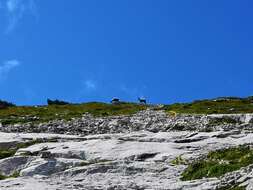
[5, 104]
[56, 102]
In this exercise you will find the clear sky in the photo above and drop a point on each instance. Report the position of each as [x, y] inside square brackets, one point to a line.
[92, 50]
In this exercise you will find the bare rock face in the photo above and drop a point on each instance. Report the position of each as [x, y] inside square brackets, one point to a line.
[138, 160]
[10, 165]
[123, 152]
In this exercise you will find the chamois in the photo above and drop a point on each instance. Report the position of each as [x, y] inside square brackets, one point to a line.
[142, 100]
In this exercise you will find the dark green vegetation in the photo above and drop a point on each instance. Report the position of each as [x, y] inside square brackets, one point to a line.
[4, 104]
[90, 162]
[226, 120]
[234, 187]
[223, 105]
[56, 102]
[14, 175]
[26, 114]
[223, 120]
[219, 162]
[5, 153]
[178, 161]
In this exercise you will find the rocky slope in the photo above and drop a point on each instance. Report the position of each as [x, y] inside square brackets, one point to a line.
[122, 152]
[149, 120]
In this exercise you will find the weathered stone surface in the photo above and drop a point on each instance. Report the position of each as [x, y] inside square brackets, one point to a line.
[149, 120]
[47, 167]
[126, 152]
[139, 160]
[9, 165]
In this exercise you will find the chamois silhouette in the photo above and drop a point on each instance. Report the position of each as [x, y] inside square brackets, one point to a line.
[142, 100]
[115, 101]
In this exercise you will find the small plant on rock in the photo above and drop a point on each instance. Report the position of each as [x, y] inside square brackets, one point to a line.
[179, 161]
[218, 163]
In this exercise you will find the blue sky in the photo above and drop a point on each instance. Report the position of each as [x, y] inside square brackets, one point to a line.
[92, 50]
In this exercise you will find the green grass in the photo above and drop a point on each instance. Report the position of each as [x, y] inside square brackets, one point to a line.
[14, 175]
[220, 106]
[234, 187]
[26, 114]
[178, 161]
[90, 162]
[223, 120]
[6, 153]
[219, 162]
[237, 188]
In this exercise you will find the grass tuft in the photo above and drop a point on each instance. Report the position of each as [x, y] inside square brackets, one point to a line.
[219, 163]
[179, 161]
[14, 175]
[6, 153]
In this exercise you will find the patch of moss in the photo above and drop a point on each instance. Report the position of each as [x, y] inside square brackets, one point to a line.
[90, 162]
[14, 175]
[237, 188]
[178, 127]
[2, 177]
[234, 187]
[207, 129]
[223, 120]
[218, 163]
[172, 113]
[85, 163]
[6, 153]
[29, 143]
[179, 161]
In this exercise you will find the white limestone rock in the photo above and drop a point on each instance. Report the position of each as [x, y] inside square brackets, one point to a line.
[126, 152]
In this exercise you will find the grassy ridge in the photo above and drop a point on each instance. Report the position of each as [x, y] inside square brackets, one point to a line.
[66, 112]
[227, 105]
[19, 114]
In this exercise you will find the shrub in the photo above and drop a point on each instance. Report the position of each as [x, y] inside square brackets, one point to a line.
[5, 104]
[56, 102]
